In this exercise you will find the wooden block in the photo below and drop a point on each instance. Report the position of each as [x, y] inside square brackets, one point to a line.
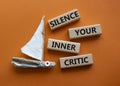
[65, 46]
[75, 61]
[64, 19]
[85, 31]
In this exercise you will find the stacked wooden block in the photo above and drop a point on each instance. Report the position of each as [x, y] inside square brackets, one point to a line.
[74, 33]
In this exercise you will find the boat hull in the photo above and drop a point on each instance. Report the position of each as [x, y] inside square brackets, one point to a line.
[26, 63]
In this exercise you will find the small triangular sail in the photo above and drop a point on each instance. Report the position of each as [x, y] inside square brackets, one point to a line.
[35, 47]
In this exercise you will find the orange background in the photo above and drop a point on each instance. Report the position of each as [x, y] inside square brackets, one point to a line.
[18, 22]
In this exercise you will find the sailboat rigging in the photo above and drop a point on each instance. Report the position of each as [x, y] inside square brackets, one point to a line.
[35, 49]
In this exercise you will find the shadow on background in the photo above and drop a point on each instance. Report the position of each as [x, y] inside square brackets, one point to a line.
[74, 69]
[22, 71]
[86, 39]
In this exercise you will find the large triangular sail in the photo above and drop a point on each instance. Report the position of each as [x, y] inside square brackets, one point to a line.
[35, 47]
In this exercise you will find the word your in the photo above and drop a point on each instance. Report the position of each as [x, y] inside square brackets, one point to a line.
[85, 31]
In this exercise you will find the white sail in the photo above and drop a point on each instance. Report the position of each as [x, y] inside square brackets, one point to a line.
[35, 47]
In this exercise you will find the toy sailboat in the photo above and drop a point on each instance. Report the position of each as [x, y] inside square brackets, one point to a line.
[34, 48]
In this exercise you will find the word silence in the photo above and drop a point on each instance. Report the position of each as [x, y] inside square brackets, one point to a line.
[64, 19]
[85, 31]
[65, 46]
[75, 61]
